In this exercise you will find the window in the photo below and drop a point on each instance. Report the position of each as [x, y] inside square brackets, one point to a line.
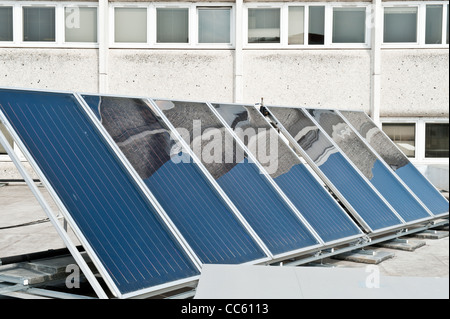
[296, 31]
[172, 25]
[39, 24]
[424, 140]
[160, 25]
[308, 24]
[316, 33]
[433, 28]
[264, 25]
[6, 23]
[400, 24]
[130, 25]
[80, 24]
[214, 25]
[349, 25]
[436, 140]
[403, 134]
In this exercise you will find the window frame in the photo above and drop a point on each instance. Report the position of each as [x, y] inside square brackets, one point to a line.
[443, 17]
[193, 25]
[420, 124]
[190, 26]
[112, 25]
[421, 25]
[367, 33]
[152, 25]
[284, 25]
[72, 5]
[229, 45]
[59, 25]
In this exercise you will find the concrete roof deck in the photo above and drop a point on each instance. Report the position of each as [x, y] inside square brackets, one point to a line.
[24, 229]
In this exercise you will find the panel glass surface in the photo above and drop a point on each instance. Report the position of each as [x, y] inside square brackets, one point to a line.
[311, 199]
[369, 165]
[364, 200]
[203, 218]
[399, 163]
[241, 180]
[120, 225]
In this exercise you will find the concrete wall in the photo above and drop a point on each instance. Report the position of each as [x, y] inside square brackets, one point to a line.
[9, 172]
[177, 74]
[415, 83]
[310, 78]
[53, 69]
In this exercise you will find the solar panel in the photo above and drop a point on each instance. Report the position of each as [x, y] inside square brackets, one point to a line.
[261, 206]
[311, 199]
[398, 162]
[196, 209]
[372, 167]
[352, 189]
[119, 227]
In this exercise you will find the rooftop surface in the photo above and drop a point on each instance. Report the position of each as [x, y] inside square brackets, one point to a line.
[24, 229]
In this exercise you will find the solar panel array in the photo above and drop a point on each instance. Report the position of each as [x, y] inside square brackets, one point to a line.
[120, 226]
[154, 189]
[370, 165]
[397, 161]
[170, 174]
[240, 179]
[281, 163]
[353, 189]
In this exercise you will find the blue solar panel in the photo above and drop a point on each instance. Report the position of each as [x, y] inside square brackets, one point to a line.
[422, 187]
[211, 229]
[370, 165]
[119, 223]
[398, 162]
[240, 179]
[311, 199]
[364, 200]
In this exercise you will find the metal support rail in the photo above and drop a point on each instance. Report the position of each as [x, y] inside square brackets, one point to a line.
[361, 244]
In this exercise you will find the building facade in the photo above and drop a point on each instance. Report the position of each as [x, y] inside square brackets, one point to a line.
[387, 58]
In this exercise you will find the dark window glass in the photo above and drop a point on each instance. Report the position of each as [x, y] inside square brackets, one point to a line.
[39, 24]
[316, 34]
[436, 140]
[6, 23]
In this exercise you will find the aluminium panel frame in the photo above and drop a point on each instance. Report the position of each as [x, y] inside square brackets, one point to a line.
[432, 216]
[396, 146]
[280, 192]
[326, 180]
